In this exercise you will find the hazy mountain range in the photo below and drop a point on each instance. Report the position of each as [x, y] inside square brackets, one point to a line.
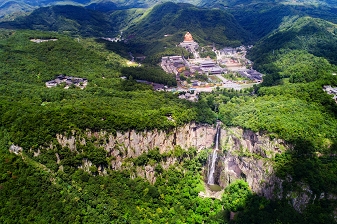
[151, 30]
[14, 7]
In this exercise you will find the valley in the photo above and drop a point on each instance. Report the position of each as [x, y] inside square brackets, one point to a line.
[170, 112]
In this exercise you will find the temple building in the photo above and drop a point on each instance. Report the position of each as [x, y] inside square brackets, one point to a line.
[189, 43]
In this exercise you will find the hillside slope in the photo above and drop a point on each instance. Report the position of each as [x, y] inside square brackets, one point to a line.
[12, 8]
[32, 115]
[68, 19]
[314, 36]
[208, 25]
[162, 28]
[26, 66]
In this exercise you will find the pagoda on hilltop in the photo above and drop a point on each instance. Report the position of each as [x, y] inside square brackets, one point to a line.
[189, 43]
[188, 37]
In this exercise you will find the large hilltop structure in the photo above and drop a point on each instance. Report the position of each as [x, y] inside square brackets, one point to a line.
[190, 45]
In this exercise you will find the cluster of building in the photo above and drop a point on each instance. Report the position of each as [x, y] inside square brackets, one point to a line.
[332, 91]
[155, 86]
[209, 67]
[228, 51]
[68, 80]
[114, 39]
[251, 74]
[42, 40]
[179, 65]
[15, 149]
[191, 95]
[228, 60]
[173, 64]
[190, 45]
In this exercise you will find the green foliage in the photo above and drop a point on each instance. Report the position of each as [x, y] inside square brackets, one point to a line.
[31, 193]
[251, 208]
[236, 195]
[66, 19]
[308, 92]
[123, 19]
[262, 19]
[300, 66]
[297, 65]
[143, 29]
[208, 53]
[291, 45]
[296, 109]
[291, 118]
[154, 154]
[318, 172]
[260, 210]
[235, 77]
[151, 74]
[141, 160]
[174, 20]
[34, 114]
[42, 190]
[96, 155]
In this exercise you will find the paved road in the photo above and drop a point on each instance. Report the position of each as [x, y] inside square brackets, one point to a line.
[228, 84]
[209, 89]
[222, 78]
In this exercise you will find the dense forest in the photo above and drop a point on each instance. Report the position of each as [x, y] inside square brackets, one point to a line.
[79, 197]
[151, 32]
[32, 113]
[48, 183]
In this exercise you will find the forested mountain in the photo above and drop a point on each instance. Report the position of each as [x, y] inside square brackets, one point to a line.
[12, 9]
[164, 26]
[24, 75]
[314, 36]
[65, 19]
[168, 18]
[148, 32]
[261, 19]
[32, 115]
[17, 7]
[84, 156]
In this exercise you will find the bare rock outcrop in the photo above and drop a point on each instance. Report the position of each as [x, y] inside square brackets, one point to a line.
[245, 142]
[247, 155]
[243, 154]
[132, 144]
[15, 149]
[146, 172]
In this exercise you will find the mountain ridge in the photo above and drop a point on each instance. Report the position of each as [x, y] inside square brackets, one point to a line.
[108, 5]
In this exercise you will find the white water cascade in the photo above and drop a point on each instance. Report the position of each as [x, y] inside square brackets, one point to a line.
[212, 159]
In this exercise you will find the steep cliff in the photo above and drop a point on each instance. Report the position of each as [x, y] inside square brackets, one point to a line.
[135, 143]
[249, 155]
[243, 154]
[131, 144]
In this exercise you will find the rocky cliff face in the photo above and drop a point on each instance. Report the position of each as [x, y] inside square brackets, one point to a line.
[243, 154]
[132, 144]
[248, 155]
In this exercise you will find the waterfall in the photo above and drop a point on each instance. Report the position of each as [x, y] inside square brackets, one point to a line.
[212, 159]
[212, 167]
